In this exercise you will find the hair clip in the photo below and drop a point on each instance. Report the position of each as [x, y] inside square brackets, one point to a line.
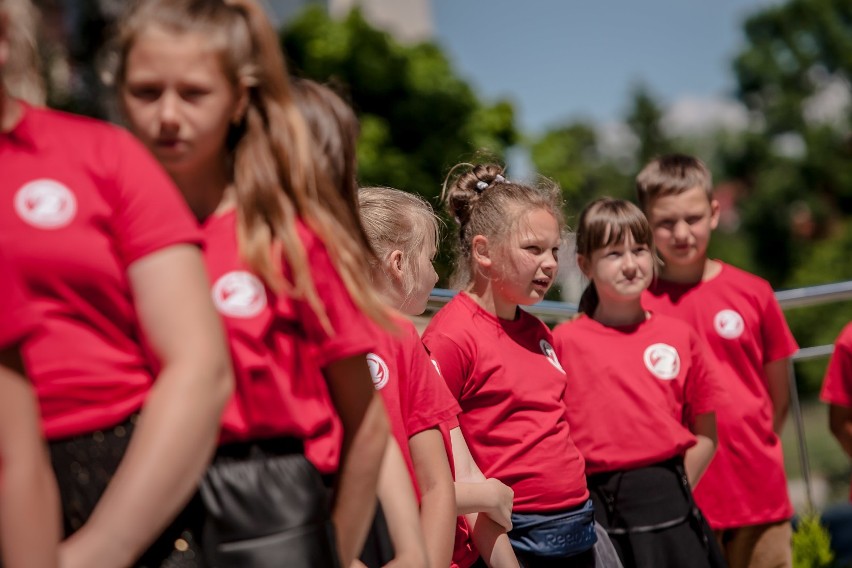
[481, 186]
[499, 179]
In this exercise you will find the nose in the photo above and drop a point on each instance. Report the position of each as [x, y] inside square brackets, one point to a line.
[681, 231]
[434, 275]
[551, 262]
[168, 112]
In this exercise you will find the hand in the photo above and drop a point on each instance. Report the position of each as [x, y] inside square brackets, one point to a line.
[501, 508]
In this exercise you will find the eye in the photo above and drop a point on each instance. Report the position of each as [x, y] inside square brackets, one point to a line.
[533, 249]
[665, 224]
[693, 219]
[193, 93]
[145, 92]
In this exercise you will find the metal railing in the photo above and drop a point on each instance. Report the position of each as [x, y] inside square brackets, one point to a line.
[788, 299]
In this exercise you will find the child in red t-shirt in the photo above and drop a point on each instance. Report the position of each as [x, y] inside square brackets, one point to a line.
[499, 363]
[204, 86]
[29, 511]
[743, 494]
[837, 390]
[403, 232]
[128, 360]
[651, 372]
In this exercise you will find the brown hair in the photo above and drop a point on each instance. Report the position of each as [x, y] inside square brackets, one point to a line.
[277, 177]
[604, 222]
[22, 73]
[672, 174]
[394, 219]
[483, 202]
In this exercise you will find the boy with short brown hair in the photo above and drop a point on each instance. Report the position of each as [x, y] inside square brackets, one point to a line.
[743, 494]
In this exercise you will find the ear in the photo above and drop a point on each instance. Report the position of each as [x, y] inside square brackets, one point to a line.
[585, 265]
[480, 251]
[393, 265]
[715, 212]
[242, 104]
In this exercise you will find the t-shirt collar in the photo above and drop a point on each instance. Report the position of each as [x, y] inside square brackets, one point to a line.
[24, 133]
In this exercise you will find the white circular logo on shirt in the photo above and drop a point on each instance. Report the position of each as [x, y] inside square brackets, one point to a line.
[729, 324]
[239, 294]
[550, 353]
[662, 360]
[46, 204]
[378, 370]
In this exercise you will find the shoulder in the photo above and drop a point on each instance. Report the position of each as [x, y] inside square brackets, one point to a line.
[59, 124]
[570, 329]
[844, 339]
[744, 281]
[673, 325]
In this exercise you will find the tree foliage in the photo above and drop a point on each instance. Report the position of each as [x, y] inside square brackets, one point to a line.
[418, 117]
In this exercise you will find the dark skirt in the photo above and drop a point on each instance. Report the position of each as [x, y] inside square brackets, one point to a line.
[266, 507]
[85, 464]
[262, 504]
[652, 519]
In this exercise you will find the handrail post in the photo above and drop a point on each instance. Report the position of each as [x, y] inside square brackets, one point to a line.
[798, 419]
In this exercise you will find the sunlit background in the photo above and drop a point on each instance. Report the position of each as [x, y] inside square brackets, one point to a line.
[584, 93]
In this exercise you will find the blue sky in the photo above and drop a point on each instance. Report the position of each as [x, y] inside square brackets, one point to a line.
[561, 59]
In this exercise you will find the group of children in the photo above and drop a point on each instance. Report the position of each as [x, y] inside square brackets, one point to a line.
[285, 413]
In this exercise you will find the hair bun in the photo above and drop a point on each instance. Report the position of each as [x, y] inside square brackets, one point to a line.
[462, 190]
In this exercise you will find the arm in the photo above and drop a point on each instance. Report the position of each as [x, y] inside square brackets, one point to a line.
[475, 494]
[399, 504]
[778, 384]
[365, 436]
[29, 502]
[840, 423]
[161, 470]
[437, 495]
[698, 456]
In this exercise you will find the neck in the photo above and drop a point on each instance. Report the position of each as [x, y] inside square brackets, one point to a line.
[483, 294]
[620, 314]
[693, 274]
[10, 112]
[204, 191]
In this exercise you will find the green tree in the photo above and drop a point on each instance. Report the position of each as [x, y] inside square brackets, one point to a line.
[418, 117]
[644, 118]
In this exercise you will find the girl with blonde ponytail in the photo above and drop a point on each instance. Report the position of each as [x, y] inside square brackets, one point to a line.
[203, 84]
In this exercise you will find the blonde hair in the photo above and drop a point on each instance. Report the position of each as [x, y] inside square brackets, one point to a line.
[483, 202]
[276, 173]
[22, 73]
[672, 174]
[604, 222]
[396, 220]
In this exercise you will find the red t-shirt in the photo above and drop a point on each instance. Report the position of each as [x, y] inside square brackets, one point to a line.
[81, 201]
[278, 345]
[415, 397]
[738, 317]
[837, 385]
[17, 320]
[653, 376]
[510, 386]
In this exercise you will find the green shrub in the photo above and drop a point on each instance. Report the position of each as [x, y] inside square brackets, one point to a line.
[811, 544]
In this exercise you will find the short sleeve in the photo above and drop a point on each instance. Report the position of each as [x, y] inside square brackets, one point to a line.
[837, 385]
[150, 213]
[703, 389]
[351, 331]
[778, 341]
[428, 402]
[453, 364]
[16, 317]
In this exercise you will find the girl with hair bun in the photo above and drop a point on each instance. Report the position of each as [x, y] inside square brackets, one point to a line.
[203, 84]
[499, 363]
[651, 372]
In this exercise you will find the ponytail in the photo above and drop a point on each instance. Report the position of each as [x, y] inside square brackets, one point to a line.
[589, 300]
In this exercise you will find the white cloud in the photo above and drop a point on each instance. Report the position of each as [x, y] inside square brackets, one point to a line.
[691, 116]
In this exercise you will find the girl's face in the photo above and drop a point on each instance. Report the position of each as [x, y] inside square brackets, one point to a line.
[524, 268]
[178, 100]
[414, 303]
[620, 271]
